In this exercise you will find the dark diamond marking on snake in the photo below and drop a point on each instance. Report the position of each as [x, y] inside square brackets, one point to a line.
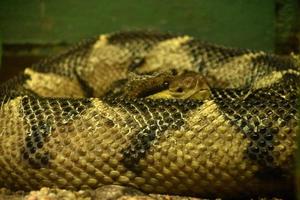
[138, 37]
[263, 107]
[76, 56]
[141, 41]
[155, 127]
[86, 88]
[274, 62]
[14, 88]
[196, 48]
[41, 124]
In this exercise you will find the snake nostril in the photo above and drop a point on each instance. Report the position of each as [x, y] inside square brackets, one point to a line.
[180, 89]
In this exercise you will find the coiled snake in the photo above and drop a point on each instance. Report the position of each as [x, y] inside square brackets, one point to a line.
[159, 112]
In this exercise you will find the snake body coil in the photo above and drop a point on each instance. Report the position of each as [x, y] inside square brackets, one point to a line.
[162, 113]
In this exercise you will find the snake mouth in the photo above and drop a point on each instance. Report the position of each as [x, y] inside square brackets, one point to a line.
[199, 94]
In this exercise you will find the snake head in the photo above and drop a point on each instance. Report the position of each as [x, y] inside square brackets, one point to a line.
[168, 85]
[187, 85]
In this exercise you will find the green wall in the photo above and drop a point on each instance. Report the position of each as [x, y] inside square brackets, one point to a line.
[240, 23]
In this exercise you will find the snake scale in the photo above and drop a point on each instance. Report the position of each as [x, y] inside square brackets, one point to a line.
[159, 112]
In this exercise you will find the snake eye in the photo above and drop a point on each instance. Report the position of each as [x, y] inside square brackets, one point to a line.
[166, 84]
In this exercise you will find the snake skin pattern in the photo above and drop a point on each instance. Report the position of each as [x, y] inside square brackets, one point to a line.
[159, 112]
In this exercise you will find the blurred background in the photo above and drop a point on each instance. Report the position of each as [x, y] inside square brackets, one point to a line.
[31, 30]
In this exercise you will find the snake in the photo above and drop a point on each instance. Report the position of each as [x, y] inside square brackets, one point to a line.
[163, 113]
